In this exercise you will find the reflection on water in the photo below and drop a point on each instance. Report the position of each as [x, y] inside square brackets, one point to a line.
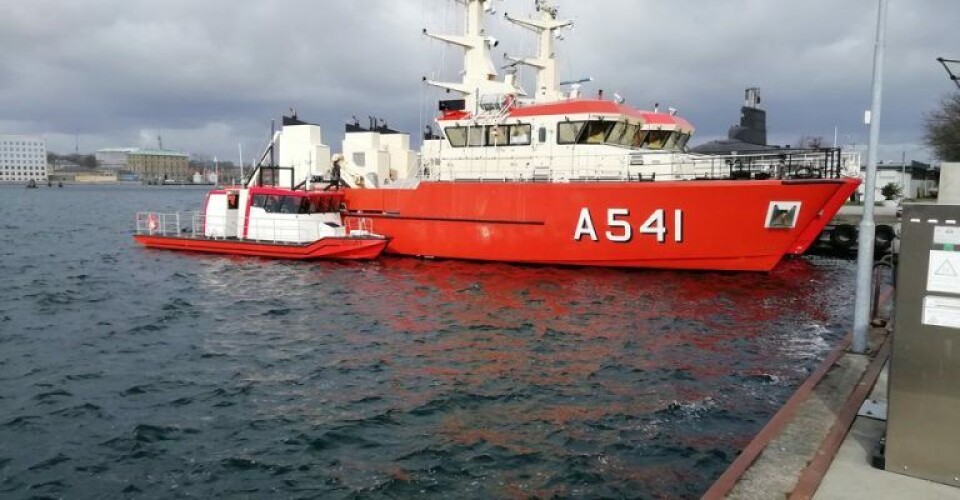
[127, 371]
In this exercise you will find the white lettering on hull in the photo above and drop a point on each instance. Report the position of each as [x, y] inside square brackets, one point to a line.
[619, 229]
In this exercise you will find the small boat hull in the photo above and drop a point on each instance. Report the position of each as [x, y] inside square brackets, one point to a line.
[345, 248]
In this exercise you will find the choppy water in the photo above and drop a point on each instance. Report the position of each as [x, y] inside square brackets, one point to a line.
[133, 373]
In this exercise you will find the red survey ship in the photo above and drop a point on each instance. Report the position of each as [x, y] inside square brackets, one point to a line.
[552, 177]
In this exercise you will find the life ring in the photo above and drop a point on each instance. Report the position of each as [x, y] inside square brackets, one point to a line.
[152, 223]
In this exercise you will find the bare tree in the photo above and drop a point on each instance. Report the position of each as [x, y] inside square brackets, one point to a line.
[942, 129]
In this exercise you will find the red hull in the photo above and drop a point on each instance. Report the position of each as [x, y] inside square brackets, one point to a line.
[324, 249]
[706, 225]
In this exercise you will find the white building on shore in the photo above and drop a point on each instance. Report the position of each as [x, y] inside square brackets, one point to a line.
[23, 158]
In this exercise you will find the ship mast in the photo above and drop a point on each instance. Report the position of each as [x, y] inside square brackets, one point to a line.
[479, 72]
[548, 80]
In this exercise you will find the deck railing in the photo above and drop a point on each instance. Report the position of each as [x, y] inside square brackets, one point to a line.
[273, 230]
[487, 165]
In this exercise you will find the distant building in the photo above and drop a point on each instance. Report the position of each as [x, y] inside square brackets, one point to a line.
[23, 158]
[150, 165]
[114, 158]
[916, 179]
[63, 170]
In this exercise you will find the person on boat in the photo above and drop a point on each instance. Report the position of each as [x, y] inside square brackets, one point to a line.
[335, 175]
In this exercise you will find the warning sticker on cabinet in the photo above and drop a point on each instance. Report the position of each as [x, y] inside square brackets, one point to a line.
[941, 311]
[944, 273]
[946, 235]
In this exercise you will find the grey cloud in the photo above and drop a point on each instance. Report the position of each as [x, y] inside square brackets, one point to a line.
[212, 73]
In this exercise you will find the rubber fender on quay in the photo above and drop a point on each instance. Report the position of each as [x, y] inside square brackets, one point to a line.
[883, 238]
[843, 236]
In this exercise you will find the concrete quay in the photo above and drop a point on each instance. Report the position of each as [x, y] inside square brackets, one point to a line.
[817, 447]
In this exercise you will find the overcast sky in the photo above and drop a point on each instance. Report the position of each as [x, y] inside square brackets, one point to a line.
[210, 74]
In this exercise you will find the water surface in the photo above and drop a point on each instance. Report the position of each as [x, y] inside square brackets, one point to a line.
[133, 373]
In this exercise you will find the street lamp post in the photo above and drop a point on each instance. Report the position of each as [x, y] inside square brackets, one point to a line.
[861, 317]
[904, 184]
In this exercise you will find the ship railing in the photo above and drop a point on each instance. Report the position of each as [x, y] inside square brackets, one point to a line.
[272, 230]
[159, 223]
[643, 165]
[359, 226]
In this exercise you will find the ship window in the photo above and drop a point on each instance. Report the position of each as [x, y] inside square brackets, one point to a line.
[272, 204]
[259, 200]
[457, 136]
[616, 133]
[476, 136]
[497, 135]
[289, 205]
[629, 133]
[672, 141]
[567, 132]
[638, 139]
[682, 143]
[656, 139]
[520, 134]
[596, 132]
[305, 207]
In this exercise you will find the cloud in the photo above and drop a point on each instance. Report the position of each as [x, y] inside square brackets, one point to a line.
[211, 74]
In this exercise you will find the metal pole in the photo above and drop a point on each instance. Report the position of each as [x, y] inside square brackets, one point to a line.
[903, 175]
[861, 318]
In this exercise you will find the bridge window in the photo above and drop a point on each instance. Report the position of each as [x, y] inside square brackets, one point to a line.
[596, 132]
[476, 136]
[568, 132]
[497, 135]
[624, 134]
[322, 205]
[520, 135]
[457, 136]
[289, 205]
[591, 132]
[657, 139]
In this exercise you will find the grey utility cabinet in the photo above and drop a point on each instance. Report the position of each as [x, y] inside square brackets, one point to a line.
[923, 426]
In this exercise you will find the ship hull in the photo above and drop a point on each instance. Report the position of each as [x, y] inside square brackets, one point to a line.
[702, 225]
[324, 249]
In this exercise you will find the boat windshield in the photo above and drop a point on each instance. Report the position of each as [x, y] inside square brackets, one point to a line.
[657, 139]
[303, 205]
[626, 134]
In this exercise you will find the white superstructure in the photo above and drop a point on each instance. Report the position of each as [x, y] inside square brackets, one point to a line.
[23, 158]
[301, 147]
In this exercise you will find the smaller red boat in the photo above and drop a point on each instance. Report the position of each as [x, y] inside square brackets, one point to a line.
[279, 223]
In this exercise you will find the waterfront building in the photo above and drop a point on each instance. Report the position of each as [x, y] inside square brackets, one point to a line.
[114, 158]
[151, 165]
[23, 158]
